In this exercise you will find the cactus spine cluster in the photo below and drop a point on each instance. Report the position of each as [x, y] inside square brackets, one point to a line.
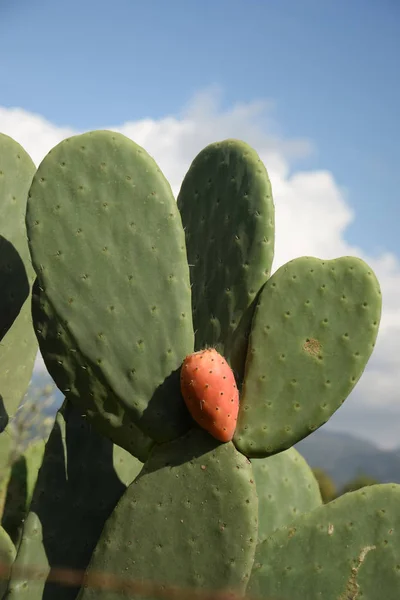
[134, 498]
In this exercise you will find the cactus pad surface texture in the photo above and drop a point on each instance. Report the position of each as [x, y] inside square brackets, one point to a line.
[18, 345]
[109, 252]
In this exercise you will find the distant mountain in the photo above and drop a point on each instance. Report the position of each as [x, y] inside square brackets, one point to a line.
[344, 457]
[39, 381]
[341, 455]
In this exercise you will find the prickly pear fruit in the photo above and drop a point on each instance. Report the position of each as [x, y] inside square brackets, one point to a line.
[209, 389]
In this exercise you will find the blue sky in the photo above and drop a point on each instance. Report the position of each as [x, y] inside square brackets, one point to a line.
[329, 66]
[325, 72]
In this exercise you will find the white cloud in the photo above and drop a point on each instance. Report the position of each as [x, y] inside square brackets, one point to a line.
[312, 214]
[33, 132]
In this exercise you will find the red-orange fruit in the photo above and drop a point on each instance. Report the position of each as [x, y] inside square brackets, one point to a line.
[209, 389]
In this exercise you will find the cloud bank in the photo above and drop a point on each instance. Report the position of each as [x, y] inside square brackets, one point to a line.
[312, 214]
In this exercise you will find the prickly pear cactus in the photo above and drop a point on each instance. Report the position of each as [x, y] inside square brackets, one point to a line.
[314, 329]
[346, 550]
[129, 283]
[210, 392]
[18, 344]
[108, 248]
[286, 488]
[20, 487]
[229, 219]
[183, 505]
[7, 557]
[82, 477]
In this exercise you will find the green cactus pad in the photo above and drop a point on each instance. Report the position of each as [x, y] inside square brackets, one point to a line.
[68, 374]
[228, 216]
[108, 248]
[21, 484]
[31, 566]
[189, 521]
[6, 443]
[348, 549]
[7, 557]
[313, 331]
[18, 345]
[82, 477]
[286, 488]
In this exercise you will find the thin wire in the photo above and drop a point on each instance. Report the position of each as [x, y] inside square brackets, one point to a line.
[114, 583]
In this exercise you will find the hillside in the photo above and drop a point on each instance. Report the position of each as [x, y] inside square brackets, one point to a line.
[344, 457]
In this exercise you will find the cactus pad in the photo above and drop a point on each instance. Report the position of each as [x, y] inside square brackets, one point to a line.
[7, 556]
[67, 372]
[21, 485]
[188, 521]
[228, 216]
[18, 345]
[313, 332]
[286, 488]
[345, 550]
[108, 248]
[82, 477]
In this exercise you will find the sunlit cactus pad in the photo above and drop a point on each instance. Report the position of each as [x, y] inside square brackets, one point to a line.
[313, 332]
[229, 219]
[18, 345]
[109, 251]
[346, 550]
[188, 521]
